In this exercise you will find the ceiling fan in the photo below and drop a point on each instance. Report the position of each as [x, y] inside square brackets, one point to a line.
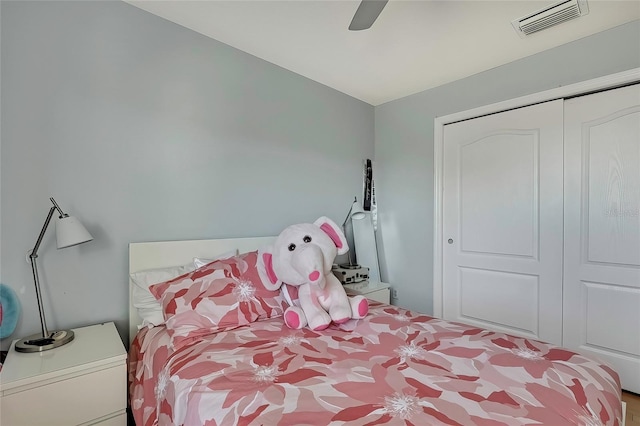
[367, 13]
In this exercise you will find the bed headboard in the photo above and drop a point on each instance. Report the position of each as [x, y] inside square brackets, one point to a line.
[161, 254]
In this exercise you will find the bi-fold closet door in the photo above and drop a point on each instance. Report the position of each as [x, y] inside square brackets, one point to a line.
[541, 225]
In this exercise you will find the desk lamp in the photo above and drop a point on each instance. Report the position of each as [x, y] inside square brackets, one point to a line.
[69, 232]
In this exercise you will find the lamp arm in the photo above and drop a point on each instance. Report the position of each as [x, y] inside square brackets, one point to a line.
[36, 280]
[34, 252]
[355, 199]
[34, 269]
[347, 218]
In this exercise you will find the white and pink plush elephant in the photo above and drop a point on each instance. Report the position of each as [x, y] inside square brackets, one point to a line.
[302, 256]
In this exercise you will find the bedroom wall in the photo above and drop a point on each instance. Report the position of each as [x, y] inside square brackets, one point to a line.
[404, 144]
[147, 131]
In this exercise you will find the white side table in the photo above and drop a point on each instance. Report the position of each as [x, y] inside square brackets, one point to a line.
[81, 383]
[371, 290]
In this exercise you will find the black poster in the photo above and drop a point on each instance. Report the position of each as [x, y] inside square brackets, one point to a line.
[368, 181]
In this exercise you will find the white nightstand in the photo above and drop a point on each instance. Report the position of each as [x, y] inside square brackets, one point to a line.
[371, 290]
[81, 383]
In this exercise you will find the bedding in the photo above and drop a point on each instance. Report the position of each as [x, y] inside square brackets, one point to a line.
[394, 367]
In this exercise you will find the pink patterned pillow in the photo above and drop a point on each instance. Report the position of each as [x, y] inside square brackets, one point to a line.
[222, 294]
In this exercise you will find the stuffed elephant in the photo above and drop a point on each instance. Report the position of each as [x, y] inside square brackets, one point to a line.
[302, 256]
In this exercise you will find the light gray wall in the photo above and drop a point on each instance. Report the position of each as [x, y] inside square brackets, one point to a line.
[404, 145]
[148, 131]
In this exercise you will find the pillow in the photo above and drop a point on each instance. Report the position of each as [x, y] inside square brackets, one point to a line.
[199, 261]
[148, 307]
[220, 295]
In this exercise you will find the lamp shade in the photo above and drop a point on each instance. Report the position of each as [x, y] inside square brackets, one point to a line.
[69, 232]
[357, 212]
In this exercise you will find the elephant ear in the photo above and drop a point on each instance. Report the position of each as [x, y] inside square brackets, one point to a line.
[265, 269]
[334, 232]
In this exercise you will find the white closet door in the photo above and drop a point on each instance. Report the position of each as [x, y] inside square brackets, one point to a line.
[502, 225]
[602, 229]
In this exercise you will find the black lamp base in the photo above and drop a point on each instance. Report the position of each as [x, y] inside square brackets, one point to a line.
[37, 343]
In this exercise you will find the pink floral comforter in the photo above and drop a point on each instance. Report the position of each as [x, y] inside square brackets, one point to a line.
[393, 367]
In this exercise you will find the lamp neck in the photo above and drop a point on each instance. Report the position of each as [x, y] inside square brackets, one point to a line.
[62, 214]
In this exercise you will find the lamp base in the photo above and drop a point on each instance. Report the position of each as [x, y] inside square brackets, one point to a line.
[37, 343]
[350, 266]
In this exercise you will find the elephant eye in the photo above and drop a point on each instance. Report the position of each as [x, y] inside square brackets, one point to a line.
[306, 239]
[291, 247]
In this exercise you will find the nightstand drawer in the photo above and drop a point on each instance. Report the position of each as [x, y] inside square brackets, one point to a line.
[382, 296]
[76, 400]
[371, 290]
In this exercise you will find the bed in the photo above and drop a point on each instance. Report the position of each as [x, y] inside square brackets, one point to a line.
[393, 367]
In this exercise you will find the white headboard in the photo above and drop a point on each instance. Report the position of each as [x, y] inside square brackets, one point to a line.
[162, 254]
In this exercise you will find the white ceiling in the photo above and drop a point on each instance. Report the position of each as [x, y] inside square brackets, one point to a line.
[413, 46]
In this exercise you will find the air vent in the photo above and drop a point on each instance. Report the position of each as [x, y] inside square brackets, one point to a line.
[550, 16]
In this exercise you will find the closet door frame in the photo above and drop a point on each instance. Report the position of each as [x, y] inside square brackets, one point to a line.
[594, 85]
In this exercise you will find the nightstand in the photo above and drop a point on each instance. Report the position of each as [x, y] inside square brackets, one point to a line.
[371, 290]
[81, 383]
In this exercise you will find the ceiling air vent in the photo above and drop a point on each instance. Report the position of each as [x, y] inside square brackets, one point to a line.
[550, 16]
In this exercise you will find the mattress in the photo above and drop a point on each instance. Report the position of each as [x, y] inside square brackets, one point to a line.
[393, 367]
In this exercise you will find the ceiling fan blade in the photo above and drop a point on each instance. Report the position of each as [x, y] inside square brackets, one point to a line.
[367, 14]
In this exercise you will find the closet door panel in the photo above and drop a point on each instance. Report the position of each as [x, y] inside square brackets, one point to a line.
[612, 151]
[608, 306]
[507, 224]
[502, 225]
[602, 229]
[478, 290]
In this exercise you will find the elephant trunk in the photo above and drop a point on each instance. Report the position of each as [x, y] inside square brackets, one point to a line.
[309, 262]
